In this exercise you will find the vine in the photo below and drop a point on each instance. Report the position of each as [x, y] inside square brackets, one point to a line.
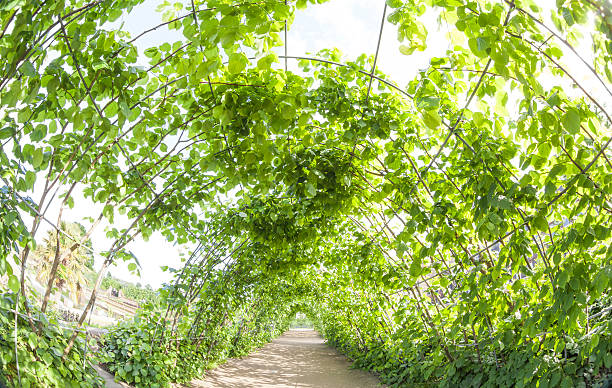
[453, 231]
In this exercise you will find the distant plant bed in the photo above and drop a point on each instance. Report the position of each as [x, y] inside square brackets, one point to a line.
[67, 315]
[40, 349]
[131, 291]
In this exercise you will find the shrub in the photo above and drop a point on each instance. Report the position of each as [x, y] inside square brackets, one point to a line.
[137, 355]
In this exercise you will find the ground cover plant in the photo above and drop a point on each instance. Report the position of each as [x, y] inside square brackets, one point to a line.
[453, 231]
[38, 349]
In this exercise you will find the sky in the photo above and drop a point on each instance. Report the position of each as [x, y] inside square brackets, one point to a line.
[351, 25]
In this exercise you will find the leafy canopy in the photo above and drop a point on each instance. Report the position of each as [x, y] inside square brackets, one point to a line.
[455, 230]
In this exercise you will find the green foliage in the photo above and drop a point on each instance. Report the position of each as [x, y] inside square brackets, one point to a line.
[404, 354]
[40, 350]
[140, 353]
[13, 237]
[451, 232]
[136, 358]
[525, 364]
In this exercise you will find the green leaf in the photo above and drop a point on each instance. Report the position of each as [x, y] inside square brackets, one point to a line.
[37, 157]
[407, 50]
[556, 170]
[30, 178]
[432, 119]
[7, 132]
[571, 121]
[554, 100]
[428, 103]
[540, 223]
[52, 85]
[482, 43]
[100, 64]
[394, 3]
[416, 267]
[13, 283]
[28, 69]
[151, 52]
[505, 203]
[594, 341]
[237, 63]
[562, 278]
[11, 97]
[311, 191]
[266, 61]
[478, 46]
[567, 15]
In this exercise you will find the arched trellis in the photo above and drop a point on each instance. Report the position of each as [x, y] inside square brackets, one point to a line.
[405, 176]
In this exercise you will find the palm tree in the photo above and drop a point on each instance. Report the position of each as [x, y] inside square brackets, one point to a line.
[75, 258]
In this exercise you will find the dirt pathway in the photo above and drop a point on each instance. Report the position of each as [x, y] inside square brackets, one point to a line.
[299, 358]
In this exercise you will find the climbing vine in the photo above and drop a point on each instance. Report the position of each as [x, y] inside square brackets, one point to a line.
[455, 230]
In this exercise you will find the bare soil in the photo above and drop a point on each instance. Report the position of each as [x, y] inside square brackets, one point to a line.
[299, 358]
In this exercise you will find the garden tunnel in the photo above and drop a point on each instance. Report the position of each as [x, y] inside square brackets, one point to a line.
[451, 231]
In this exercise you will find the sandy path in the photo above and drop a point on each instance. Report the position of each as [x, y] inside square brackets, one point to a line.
[299, 358]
